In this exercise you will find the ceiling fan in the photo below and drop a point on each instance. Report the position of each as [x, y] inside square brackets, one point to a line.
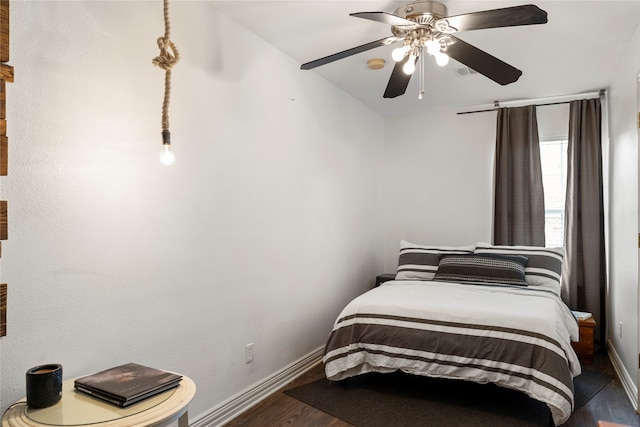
[426, 26]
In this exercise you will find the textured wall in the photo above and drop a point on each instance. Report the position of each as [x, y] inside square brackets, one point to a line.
[264, 227]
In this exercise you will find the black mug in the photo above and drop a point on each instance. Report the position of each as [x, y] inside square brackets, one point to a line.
[44, 385]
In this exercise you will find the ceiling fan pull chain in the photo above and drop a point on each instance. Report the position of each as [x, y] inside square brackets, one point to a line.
[421, 75]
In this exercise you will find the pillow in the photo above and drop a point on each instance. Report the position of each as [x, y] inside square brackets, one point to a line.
[489, 268]
[544, 265]
[417, 262]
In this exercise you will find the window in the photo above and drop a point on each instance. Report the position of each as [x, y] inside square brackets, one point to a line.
[553, 156]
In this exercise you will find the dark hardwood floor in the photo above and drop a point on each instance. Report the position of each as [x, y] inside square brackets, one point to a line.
[610, 404]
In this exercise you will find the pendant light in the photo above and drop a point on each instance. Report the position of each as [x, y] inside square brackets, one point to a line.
[169, 56]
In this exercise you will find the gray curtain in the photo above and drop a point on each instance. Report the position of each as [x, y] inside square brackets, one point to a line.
[518, 193]
[584, 268]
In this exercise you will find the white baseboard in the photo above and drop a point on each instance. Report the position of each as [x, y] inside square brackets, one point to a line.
[246, 399]
[626, 380]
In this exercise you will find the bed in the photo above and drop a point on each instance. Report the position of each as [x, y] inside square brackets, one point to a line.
[481, 313]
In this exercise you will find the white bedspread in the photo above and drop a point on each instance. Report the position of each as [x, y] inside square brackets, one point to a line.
[516, 337]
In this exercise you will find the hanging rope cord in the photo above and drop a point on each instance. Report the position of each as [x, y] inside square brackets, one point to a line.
[169, 56]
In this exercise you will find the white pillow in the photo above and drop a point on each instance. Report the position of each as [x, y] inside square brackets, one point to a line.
[420, 262]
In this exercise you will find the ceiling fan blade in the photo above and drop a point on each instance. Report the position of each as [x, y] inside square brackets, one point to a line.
[506, 17]
[346, 53]
[399, 80]
[488, 65]
[385, 18]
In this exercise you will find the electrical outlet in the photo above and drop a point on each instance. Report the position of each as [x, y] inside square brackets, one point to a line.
[248, 353]
[620, 330]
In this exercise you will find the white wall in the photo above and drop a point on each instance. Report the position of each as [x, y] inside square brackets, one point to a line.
[262, 230]
[623, 302]
[438, 176]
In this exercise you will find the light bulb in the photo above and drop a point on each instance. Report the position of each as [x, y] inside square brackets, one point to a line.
[410, 66]
[398, 53]
[167, 157]
[433, 46]
[442, 59]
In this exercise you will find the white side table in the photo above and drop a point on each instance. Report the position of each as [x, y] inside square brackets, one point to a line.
[81, 410]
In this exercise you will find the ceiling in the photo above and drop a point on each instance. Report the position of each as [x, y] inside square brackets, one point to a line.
[576, 51]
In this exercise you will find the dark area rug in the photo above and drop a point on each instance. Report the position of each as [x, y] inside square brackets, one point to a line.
[402, 400]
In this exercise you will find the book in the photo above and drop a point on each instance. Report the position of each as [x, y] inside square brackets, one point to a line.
[127, 384]
[581, 315]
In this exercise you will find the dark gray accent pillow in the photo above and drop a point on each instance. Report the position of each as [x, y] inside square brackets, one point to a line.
[489, 268]
[544, 265]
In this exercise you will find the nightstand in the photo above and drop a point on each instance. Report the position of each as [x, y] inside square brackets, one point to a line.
[584, 347]
[81, 410]
[385, 277]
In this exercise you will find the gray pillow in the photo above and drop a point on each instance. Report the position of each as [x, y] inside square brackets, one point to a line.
[544, 265]
[490, 268]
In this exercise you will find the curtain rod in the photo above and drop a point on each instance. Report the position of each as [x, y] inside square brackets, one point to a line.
[539, 102]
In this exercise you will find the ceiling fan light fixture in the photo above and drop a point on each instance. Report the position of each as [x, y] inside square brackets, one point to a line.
[426, 25]
[433, 46]
[442, 59]
[410, 66]
[398, 53]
